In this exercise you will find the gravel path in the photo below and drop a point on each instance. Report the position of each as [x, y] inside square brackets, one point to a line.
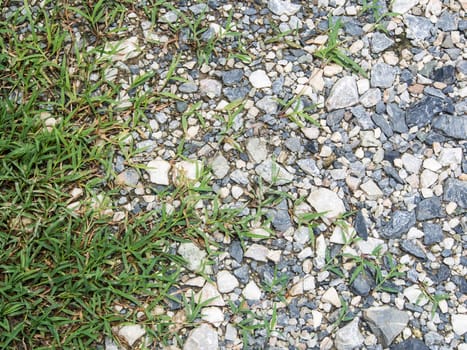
[379, 152]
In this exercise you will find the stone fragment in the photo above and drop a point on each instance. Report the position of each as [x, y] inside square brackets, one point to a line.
[129, 177]
[360, 226]
[209, 292]
[401, 221]
[455, 191]
[410, 344]
[259, 79]
[327, 202]
[363, 283]
[433, 233]
[349, 337]
[371, 189]
[226, 282]
[268, 104]
[158, 171]
[429, 208]
[452, 126]
[220, 166]
[343, 94]
[450, 156]
[273, 173]
[188, 87]
[283, 7]
[422, 112]
[251, 291]
[256, 149]
[370, 98]
[380, 42]
[188, 170]
[236, 251]
[210, 87]
[382, 75]
[386, 323]
[403, 6]
[122, 50]
[257, 252]
[213, 315]
[412, 247]
[418, 28]
[445, 74]
[230, 333]
[131, 333]
[397, 118]
[411, 163]
[193, 256]
[459, 324]
[203, 337]
[383, 124]
[415, 295]
[331, 296]
[168, 17]
[232, 77]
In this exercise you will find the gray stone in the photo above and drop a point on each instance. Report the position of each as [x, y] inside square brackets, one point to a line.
[283, 7]
[422, 112]
[193, 256]
[236, 93]
[232, 77]
[220, 166]
[239, 177]
[259, 79]
[429, 208]
[445, 74]
[400, 223]
[412, 247]
[418, 28]
[203, 337]
[188, 87]
[308, 166]
[226, 282]
[131, 333]
[256, 149]
[243, 274]
[393, 173]
[349, 337]
[452, 126]
[327, 202]
[293, 144]
[380, 42]
[403, 6]
[382, 75]
[386, 323]
[280, 217]
[382, 123]
[410, 344]
[371, 98]
[210, 87]
[343, 94]
[447, 22]
[360, 226]
[363, 118]
[129, 177]
[397, 118]
[432, 233]
[433, 339]
[168, 17]
[236, 251]
[455, 191]
[198, 8]
[268, 104]
[363, 283]
[273, 173]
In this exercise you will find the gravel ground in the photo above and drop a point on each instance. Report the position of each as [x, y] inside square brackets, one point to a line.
[381, 155]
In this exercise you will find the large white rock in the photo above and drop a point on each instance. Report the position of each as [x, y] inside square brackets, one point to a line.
[193, 256]
[131, 333]
[259, 79]
[122, 50]
[209, 292]
[202, 338]
[188, 169]
[343, 94]
[226, 282]
[213, 315]
[459, 324]
[251, 291]
[158, 171]
[327, 201]
[273, 173]
[403, 6]
[256, 149]
[331, 296]
[349, 337]
[283, 7]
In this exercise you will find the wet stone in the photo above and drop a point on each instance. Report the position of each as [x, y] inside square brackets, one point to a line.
[400, 223]
[432, 233]
[412, 247]
[429, 208]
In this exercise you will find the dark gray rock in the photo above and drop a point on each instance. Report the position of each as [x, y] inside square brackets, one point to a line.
[380, 42]
[188, 88]
[447, 22]
[281, 220]
[452, 126]
[432, 233]
[410, 344]
[386, 323]
[432, 339]
[363, 283]
[360, 226]
[429, 208]
[243, 274]
[422, 112]
[455, 191]
[232, 77]
[401, 221]
[383, 124]
[412, 247]
[236, 251]
[397, 118]
[445, 74]
[236, 93]
[382, 75]
[460, 282]
[393, 173]
[418, 28]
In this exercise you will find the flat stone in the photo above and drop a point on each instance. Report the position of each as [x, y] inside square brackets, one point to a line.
[129, 177]
[349, 337]
[236, 93]
[382, 75]
[380, 42]
[418, 28]
[433, 233]
[193, 255]
[397, 118]
[209, 292]
[251, 291]
[236, 251]
[447, 22]
[203, 337]
[168, 17]
[415, 295]
[411, 163]
[459, 324]
[210, 87]
[122, 50]
[326, 201]
[220, 166]
[188, 170]
[455, 191]
[331, 296]
[403, 6]
[158, 171]
[213, 315]
[268, 104]
[226, 282]
[370, 98]
[232, 77]
[343, 94]
[410, 344]
[386, 323]
[188, 87]
[230, 333]
[309, 166]
[445, 74]
[256, 149]
[257, 252]
[363, 118]
[400, 223]
[371, 189]
[131, 333]
[259, 79]
[383, 124]
[429, 208]
[283, 7]
[450, 156]
[273, 173]
[452, 126]
[413, 247]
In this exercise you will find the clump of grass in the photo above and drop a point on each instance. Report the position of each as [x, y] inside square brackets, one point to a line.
[331, 52]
